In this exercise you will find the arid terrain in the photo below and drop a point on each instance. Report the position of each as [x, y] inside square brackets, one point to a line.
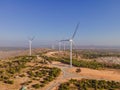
[40, 72]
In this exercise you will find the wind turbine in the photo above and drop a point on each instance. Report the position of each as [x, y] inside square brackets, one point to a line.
[53, 47]
[30, 45]
[64, 46]
[59, 45]
[70, 40]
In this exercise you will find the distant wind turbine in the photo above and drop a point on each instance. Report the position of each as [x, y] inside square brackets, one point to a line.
[30, 45]
[71, 43]
[59, 46]
[53, 47]
[64, 46]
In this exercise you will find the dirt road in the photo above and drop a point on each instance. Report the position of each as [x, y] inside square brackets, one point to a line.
[69, 73]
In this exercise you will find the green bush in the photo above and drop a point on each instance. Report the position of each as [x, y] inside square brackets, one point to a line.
[86, 84]
[90, 64]
[36, 86]
[64, 86]
[9, 81]
[54, 72]
[78, 70]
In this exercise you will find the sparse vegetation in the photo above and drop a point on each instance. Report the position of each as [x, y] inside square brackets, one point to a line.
[91, 64]
[19, 67]
[36, 86]
[39, 74]
[10, 68]
[48, 75]
[88, 84]
[96, 54]
[9, 81]
[82, 63]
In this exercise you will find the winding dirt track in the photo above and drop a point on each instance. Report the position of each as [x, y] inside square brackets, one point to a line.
[68, 73]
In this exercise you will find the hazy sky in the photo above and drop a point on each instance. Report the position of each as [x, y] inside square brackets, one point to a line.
[51, 20]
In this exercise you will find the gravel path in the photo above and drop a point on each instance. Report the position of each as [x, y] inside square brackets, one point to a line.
[66, 76]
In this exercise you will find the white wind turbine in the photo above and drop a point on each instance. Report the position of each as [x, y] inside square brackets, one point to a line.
[59, 46]
[52, 46]
[71, 43]
[64, 46]
[30, 45]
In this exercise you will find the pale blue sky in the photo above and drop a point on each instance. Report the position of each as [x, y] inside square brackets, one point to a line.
[51, 20]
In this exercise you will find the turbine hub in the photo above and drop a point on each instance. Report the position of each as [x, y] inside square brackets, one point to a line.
[71, 40]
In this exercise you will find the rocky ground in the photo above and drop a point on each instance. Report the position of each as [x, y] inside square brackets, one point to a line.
[112, 60]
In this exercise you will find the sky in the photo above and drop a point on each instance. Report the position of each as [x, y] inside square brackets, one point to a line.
[52, 20]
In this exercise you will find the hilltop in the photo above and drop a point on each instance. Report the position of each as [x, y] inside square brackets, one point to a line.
[49, 69]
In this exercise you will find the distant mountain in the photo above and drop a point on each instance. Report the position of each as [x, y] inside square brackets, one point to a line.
[97, 47]
[67, 47]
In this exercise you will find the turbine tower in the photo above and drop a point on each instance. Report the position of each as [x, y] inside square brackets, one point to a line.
[53, 47]
[71, 43]
[30, 45]
[64, 46]
[59, 46]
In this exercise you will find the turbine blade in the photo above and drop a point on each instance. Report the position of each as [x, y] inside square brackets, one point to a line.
[32, 38]
[75, 30]
[64, 40]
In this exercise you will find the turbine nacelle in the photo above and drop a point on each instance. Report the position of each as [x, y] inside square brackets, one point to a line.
[30, 45]
[71, 40]
[30, 41]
